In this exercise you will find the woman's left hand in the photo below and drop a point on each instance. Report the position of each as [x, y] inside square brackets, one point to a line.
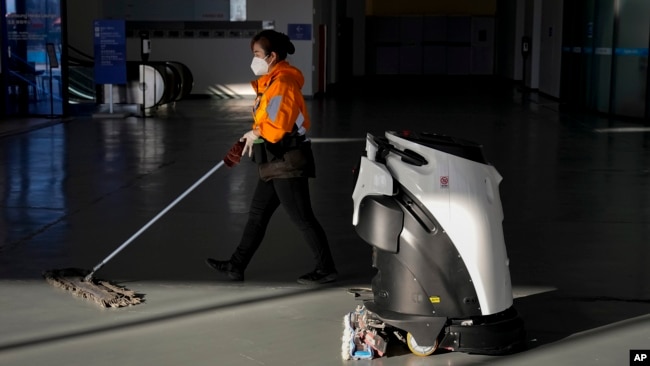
[249, 138]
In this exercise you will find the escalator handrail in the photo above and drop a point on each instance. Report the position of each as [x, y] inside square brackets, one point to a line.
[81, 52]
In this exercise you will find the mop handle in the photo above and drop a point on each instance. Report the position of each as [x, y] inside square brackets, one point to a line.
[89, 277]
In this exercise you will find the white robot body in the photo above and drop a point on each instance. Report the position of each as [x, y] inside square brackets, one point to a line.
[430, 207]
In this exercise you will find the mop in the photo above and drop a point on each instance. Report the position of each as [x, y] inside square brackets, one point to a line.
[80, 282]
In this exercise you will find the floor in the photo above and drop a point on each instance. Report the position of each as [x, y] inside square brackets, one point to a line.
[575, 194]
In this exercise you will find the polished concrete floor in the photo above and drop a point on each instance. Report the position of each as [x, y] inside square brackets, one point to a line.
[576, 199]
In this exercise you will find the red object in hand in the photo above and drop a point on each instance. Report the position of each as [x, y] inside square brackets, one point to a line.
[234, 154]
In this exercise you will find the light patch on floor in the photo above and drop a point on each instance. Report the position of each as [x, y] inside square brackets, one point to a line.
[622, 130]
[523, 291]
[318, 140]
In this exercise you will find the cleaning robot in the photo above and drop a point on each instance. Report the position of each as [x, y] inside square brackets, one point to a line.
[430, 207]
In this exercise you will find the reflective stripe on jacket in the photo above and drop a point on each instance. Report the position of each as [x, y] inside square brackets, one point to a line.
[280, 104]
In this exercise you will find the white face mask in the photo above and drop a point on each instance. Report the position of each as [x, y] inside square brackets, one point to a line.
[259, 66]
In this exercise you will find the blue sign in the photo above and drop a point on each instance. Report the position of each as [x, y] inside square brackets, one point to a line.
[299, 32]
[110, 51]
[631, 51]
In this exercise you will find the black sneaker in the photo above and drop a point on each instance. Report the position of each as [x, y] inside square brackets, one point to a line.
[226, 268]
[318, 277]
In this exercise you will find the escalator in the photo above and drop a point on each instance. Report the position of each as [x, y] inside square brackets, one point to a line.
[81, 84]
[164, 82]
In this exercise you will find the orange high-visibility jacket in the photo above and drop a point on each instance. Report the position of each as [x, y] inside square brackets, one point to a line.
[280, 104]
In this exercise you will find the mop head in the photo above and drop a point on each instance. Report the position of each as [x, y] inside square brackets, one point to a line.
[103, 293]
[353, 346]
[347, 340]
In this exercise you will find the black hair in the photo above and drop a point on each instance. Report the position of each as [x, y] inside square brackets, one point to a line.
[273, 41]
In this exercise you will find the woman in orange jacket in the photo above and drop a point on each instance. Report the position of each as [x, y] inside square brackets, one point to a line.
[284, 157]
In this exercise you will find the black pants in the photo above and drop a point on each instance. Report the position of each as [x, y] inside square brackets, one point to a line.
[293, 194]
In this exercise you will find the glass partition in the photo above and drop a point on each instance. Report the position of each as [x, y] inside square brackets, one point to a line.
[631, 59]
[598, 55]
[611, 39]
[31, 57]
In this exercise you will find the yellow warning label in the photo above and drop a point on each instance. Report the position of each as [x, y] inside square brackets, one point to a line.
[434, 299]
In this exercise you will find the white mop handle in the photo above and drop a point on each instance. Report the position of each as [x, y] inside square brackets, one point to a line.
[145, 227]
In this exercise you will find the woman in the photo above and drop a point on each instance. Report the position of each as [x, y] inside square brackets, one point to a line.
[285, 160]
